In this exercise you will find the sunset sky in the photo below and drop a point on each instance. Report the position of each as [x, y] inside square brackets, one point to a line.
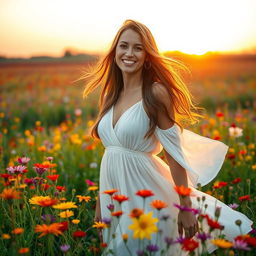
[47, 27]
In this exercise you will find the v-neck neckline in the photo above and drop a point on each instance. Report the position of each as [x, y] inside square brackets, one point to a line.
[112, 114]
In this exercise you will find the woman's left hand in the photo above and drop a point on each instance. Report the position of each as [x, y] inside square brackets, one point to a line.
[188, 222]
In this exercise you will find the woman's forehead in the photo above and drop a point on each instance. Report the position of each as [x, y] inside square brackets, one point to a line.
[130, 36]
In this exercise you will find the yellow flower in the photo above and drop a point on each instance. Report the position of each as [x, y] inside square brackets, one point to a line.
[6, 236]
[38, 199]
[27, 133]
[144, 226]
[254, 167]
[66, 214]
[222, 243]
[65, 206]
[231, 150]
[92, 188]
[53, 228]
[38, 123]
[248, 158]
[251, 146]
[75, 221]
[99, 224]
[83, 198]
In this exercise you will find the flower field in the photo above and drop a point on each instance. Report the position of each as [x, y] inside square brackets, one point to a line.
[49, 176]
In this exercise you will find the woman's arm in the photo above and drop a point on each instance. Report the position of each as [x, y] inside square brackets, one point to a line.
[186, 220]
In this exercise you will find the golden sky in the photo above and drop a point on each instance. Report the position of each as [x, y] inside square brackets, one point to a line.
[36, 27]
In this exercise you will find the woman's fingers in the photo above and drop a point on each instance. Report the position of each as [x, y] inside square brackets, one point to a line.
[180, 228]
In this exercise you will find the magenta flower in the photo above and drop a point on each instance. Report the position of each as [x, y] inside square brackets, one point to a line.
[16, 169]
[152, 248]
[90, 183]
[241, 245]
[64, 248]
[111, 207]
[203, 236]
[233, 206]
[187, 209]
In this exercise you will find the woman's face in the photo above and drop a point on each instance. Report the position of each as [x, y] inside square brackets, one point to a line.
[130, 53]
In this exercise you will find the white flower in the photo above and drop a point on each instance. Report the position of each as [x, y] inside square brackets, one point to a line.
[78, 112]
[235, 132]
[93, 165]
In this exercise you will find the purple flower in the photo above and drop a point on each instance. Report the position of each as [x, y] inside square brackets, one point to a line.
[23, 160]
[106, 220]
[203, 236]
[40, 170]
[180, 240]
[140, 253]
[16, 169]
[111, 207]
[49, 158]
[65, 247]
[169, 240]
[187, 209]
[48, 218]
[233, 206]
[253, 231]
[241, 245]
[152, 248]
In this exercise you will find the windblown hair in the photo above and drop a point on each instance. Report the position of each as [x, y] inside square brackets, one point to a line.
[162, 70]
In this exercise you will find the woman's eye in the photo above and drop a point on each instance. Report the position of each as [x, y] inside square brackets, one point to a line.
[138, 48]
[123, 46]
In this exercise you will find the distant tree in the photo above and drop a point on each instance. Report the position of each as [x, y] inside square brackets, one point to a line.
[68, 53]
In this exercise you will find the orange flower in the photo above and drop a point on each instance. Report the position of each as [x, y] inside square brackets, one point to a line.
[83, 198]
[53, 228]
[136, 212]
[158, 204]
[117, 213]
[144, 193]
[189, 245]
[23, 250]
[183, 191]
[120, 198]
[18, 231]
[10, 193]
[110, 192]
[53, 177]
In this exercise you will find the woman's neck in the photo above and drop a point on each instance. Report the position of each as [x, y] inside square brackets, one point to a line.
[132, 81]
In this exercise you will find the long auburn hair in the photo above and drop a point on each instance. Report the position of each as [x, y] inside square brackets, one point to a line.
[162, 69]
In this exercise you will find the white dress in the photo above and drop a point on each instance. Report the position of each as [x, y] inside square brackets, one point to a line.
[130, 163]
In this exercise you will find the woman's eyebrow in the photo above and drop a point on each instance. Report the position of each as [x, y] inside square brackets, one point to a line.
[127, 43]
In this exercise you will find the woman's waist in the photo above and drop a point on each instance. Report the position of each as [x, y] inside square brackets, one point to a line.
[120, 149]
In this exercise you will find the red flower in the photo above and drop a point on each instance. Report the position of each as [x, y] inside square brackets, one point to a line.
[231, 156]
[245, 198]
[64, 226]
[103, 245]
[45, 186]
[219, 114]
[213, 224]
[53, 177]
[189, 244]
[60, 188]
[217, 137]
[5, 175]
[117, 214]
[220, 184]
[242, 152]
[236, 180]
[28, 181]
[79, 233]
[144, 193]
[42, 165]
[120, 198]
[251, 241]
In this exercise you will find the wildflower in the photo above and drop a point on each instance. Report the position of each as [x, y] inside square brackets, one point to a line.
[53, 228]
[152, 248]
[169, 240]
[120, 198]
[60, 188]
[79, 234]
[110, 192]
[186, 209]
[219, 114]
[106, 220]
[233, 206]
[203, 236]
[40, 168]
[44, 201]
[93, 165]
[49, 158]
[214, 224]
[158, 204]
[236, 180]
[93, 188]
[125, 237]
[17, 169]
[48, 218]
[10, 194]
[111, 207]
[75, 221]
[103, 245]
[189, 245]
[83, 198]
[65, 206]
[23, 160]
[6, 236]
[117, 213]
[53, 178]
[183, 191]
[136, 212]
[66, 214]
[241, 245]
[144, 226]
[245, 198]
[144, 193]
[235, 132]
[222, 243]
[45, 186]
[18, 231]
[90, 183]
[99, 225]
[220, 184]
[23, 250]
[65, 247]
[64, 226]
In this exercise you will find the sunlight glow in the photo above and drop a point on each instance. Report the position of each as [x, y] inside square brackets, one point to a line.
[31, 27]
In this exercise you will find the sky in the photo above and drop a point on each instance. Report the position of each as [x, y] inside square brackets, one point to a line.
[48, 27]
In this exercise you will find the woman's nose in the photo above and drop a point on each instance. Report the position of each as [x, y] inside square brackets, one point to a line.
[129, 51]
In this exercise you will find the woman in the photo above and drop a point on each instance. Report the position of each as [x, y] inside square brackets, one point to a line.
[144, 105]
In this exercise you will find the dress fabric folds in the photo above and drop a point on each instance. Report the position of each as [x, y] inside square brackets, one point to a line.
[130, 163]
